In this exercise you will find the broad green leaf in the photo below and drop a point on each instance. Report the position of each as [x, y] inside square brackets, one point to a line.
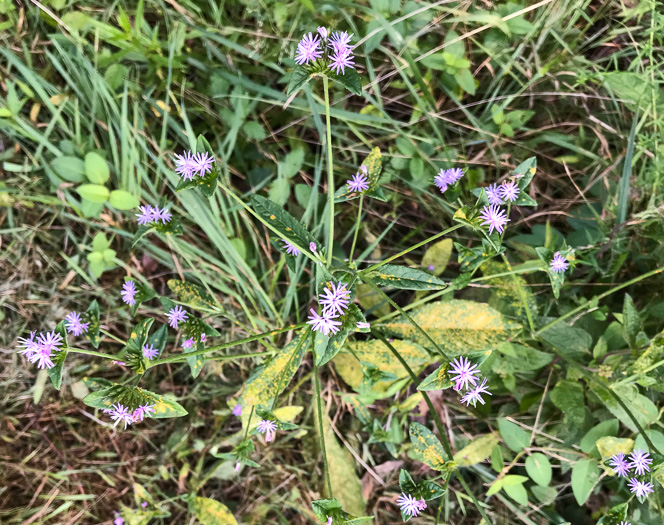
[569, 340]
[280, 191]
[515, 358]
[132, 398]
[539, 469]
[292, 163]
[428, 449]
[288, 227]
[96, 169]
[58, 358]
[374, 164]
[514, 436]
[517, 492]
[123, 200]
[585, 474]
[403, 278]
[93, 192]
[100, 242]
[212, 512]
[193, 296]
[299, 77]
[605, 428]
[464, 78]
[274, 377]
[350, 80]
[458, 327]
[92, 317]
[438, 256]
[525, 172]
[476, 451]
[568, 397]
[608, 446]
[641, 408]
[71, 169]
[616, 515]
[439, 379]
[631, 321]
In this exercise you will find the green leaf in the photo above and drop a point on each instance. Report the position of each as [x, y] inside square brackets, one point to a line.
[206, 184]
[539, 469]
[641, 408]
[108, 256]
[123, 200]
[288, 227]
[274, 377]
[58, 358]
[96, 168]
[428, 449]
[280, 191]
[457, 326]
[91, 209]
[115, 75]
[403, 278]
[299, 77]
[193, 296]
[71, 169]
[193, 328]
[100, 243]
[438, 256]
[517, 492]
[569, 340]
[158, 339]
[631, 321]
[132, 397]
[374, 164]
[350, 80]
[514, 436]
[605, 428]
[464, 78]
[568, 397]
[439, 379]
[326, 347]
[211, 512]
[97, 267]
[92, 317]
[585, 474]
[509, 292]
[292, 163]
[93, 192]
[476, 451]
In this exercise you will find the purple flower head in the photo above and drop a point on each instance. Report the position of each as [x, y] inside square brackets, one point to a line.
[640, 488]
[323, 32]
[422, 504]
[308, 49]
[203, 163]
[189, 343]
[74, 325]
[431, 267]
[325, 323]
[446, 178]
[329, 520]
[358, 183]
[334, 299]
[50, 341]
[30, 346]
[619, 464]
[185, 165]
[509, 190]
[341, 59]
[42, 357]
[362, 326]
[558, 263]
[175, 316]
[312, 247]
[162, 215]
[146, 216]
[640, 461]
[475, 394]
[237, 410]
[290, 249]
[202, 338]
[237, 466]
[128, 293]
[118, 520]
[409, 505]
[150, 352]
[142, 411]
[144, 504]
[624, 523]
[119, 412]
[340, 40]
[267, 427]
[495, 218]
[493, 194]
[465, 373]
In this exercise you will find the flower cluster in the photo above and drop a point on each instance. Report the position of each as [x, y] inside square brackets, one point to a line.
[493, 215]
[40, 349]
[189, 165]
[120, 413]
[360, 181]
[410, 505]
[149, 214]
[446, 178]
[639, 461]
[464, 373]
[559, 263]
[74, 325]
[129, 293]
[334, 48]
[334, 300]
[268, 428]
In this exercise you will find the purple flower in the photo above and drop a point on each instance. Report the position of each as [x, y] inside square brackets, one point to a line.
[323, 32]
[558, 263]
[142, 411]
[51, 341]
[42, 357]
[162, 215]
[409, 505]
[640, 461]
[358, 183]
[118, 520]
[267, 427]
[619, 464]
[474, 395]
[290, 249]
[150, 352]
[431, 267]
[495, 218]
[312, 247]
[325, 323]
[308, 49]
[465, 373]
[189, 343]
[144, 504]
[493, 194]
[146, 216]
[334, 299]
[624, 523]
[203, 163]
[202, 338]
[30, 346]
[362, 326]
[342, 59]
[237, 410]
[74, 325]
[340, 40]
[509, 190]
[119, 412]
[446, 178]
[128, 293]
[185, 165]
[329, 520]
[176, 315]
[640, 488]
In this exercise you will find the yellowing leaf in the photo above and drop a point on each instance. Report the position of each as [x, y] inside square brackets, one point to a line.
[287, 413]
[212, 512]
[438, 256]
[428, 449]
[193, 295]
[476, 451]
[609, 446]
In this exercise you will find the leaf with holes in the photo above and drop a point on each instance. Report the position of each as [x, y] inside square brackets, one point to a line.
[403, 278]
[428, 450]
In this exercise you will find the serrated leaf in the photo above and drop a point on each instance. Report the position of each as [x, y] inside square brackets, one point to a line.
[457, 326]
[91, 316]
[476, 451]
[96, 168]
[299, 77]
[538, 468]
[514, 436]
[585, 474]
[287, 226]
[194, 296]
[58, 358]
[403, 278]
[428, 449]
[374, 164]
[212, 512]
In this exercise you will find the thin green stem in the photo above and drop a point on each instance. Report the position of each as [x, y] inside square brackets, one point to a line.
[330, 169]
[92, 352]
[407, 250]
[322, 429]
[114, 337]
[357, 229]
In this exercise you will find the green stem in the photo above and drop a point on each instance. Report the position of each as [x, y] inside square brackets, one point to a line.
[357, 229]
[183, 357]
[322, 430]
[115, 338]
[92, 352]
[330, 169]
[407, 250]
[437, 422]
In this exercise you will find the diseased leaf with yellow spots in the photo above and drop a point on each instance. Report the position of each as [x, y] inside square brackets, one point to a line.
[609, 446]
[476, 451]
[404, 278]
[132, 398]
[270, 380]
[509, 292]
[438, 255]
[373, 164]
[193, 296]
[459, 327]
[211, 512]
[288, 226]
[428, 449]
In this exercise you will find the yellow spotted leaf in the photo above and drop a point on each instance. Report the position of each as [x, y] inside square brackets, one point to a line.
[211, 512]
[609, 446]
[476, 451]
[428, 449]
[287, 413]
[193, 295]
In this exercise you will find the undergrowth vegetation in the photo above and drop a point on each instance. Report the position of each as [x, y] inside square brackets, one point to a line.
[327, 262]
